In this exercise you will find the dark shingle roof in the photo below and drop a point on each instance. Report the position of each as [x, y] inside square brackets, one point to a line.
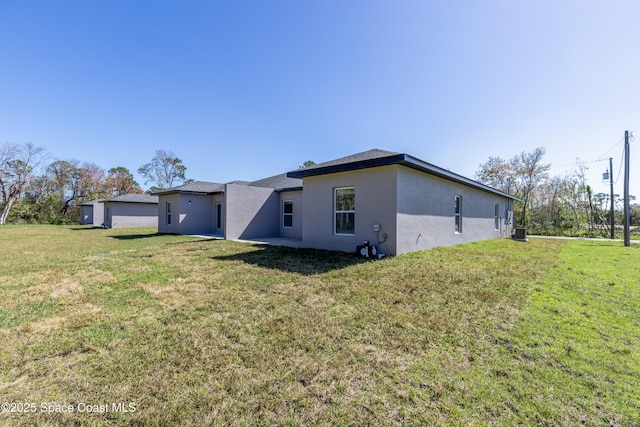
[135, 198]
[199, 187]
[375, 158]
[92, 202]
[278, 182]
[362, 160]
[354, 158]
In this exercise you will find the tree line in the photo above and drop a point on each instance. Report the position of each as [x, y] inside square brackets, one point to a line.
[553, 205]
[36, 190]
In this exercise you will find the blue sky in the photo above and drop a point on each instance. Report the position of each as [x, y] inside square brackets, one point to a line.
[248, 89]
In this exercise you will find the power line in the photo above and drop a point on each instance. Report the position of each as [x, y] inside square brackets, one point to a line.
[601, 158]
[612, 148]
[619, 168]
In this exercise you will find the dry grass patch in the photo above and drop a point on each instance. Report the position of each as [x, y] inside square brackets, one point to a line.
[222, 333]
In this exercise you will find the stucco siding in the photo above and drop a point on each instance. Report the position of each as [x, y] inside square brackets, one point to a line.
[174, 227]
[251, 212]
[128, 215]
[426, 206]
[196, 214]
[218, 223]
[86, 215]
[375, 201]
[98, 214]
[295, 231]
[92, 213]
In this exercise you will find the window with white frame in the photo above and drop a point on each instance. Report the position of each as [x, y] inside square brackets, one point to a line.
[287, 214]
[168, 213]
[344, 202]
[497, 216]
[458, 214]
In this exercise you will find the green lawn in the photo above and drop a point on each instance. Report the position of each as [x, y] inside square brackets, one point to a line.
[183, 331]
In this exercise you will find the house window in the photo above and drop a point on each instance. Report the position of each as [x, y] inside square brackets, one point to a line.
[345, 210]
[497, 216]
[218, 216]
[168, 213]
[458, 214]
[287, 214]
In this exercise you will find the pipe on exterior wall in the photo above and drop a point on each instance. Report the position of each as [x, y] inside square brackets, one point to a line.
[377, 227]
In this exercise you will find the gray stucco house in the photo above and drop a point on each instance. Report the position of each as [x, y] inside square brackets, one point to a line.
[92, 213]
[398, 202]
[236, 210]
[392, 200]
[194, 208]
[131, 210]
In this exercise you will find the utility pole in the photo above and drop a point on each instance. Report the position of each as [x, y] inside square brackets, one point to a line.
[612, 211]
[627, 217]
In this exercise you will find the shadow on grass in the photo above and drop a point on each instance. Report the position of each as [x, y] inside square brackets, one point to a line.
[306, 262]
[88, 227]
[137, 236]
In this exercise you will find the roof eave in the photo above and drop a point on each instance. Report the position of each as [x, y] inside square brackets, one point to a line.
[165, 193]
[131, 201]
[399, 159]
[195, 193]
[284, 190]
[362, 164]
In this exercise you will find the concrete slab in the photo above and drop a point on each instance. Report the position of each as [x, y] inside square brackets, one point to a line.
[276, 241]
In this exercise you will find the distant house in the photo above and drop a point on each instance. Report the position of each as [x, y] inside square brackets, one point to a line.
[131, 210]
[392, 200]
[194, 208]
[92, 213]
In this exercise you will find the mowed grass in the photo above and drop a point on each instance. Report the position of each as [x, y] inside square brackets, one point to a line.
[203, 332]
